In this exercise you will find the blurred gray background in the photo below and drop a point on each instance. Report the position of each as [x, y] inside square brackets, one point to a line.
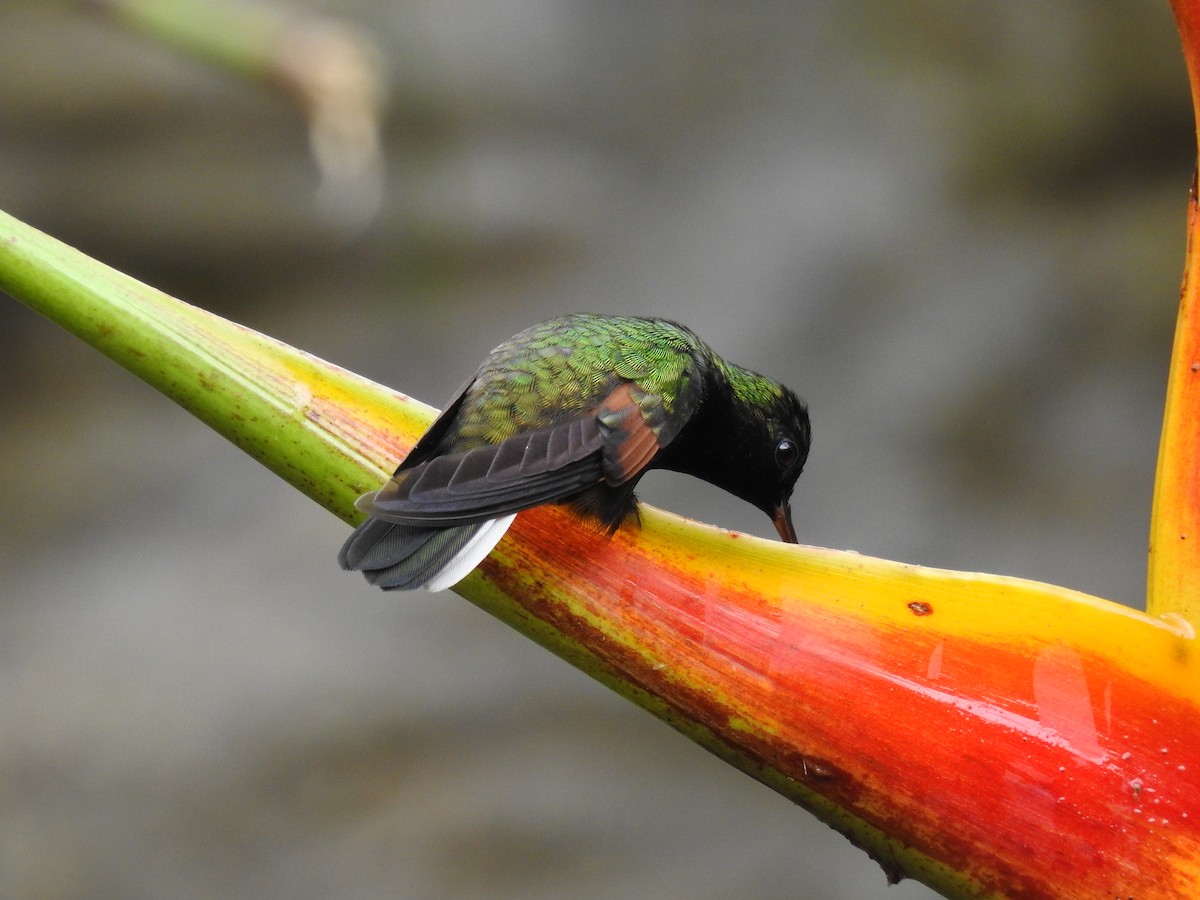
[957, 229]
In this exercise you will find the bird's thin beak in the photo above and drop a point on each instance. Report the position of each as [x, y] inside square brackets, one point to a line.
[781, 515]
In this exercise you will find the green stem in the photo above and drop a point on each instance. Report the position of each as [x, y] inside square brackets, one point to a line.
[301, 417]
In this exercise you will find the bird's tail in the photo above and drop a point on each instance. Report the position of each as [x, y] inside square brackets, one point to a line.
[406, 557]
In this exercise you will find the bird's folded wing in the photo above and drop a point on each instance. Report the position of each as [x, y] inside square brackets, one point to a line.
[520, 472]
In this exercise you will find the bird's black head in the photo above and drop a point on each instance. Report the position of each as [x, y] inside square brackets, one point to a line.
[750, 437]
[775, 447]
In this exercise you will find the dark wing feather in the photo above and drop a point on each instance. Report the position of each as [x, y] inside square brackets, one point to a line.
[612, 444]
[485, 482]
[427, 446]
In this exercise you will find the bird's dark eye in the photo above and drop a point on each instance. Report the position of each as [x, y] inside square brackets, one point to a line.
[787, 454]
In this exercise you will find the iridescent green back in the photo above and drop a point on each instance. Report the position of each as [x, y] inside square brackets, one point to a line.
[564, 367]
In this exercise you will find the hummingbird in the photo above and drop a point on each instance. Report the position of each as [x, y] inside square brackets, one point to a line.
[575, 411]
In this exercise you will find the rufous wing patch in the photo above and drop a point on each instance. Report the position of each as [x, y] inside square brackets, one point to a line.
[630, 443]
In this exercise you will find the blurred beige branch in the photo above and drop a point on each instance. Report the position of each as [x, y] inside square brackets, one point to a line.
[333, 69]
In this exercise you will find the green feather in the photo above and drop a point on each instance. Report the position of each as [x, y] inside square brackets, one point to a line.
[567, 366]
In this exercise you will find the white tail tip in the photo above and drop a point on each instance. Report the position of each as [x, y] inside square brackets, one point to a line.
[471, 555]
